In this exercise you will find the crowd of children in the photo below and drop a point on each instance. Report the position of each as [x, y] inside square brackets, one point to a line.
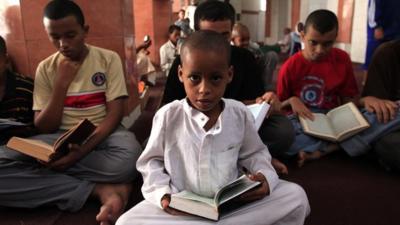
[203, 136]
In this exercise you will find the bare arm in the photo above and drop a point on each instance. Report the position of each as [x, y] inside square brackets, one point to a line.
[298, 107]
[49, 119]
[103, 130]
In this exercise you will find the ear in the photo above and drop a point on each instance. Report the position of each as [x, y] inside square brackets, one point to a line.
[180, 73]
[302, 36]
[230, 74]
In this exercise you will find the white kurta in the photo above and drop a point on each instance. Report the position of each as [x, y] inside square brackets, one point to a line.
[181, 155]
[168, 52]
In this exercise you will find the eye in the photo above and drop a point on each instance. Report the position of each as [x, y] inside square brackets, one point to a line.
[216, 78]
[194, 78]
[54, 37]
[313, 43]
[70, 35]
[328, 44]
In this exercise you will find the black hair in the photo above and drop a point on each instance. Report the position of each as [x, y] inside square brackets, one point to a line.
[173, 28]
[206, 40]
[322, 20]
[58, 9]
[3, 46]
[213, 10]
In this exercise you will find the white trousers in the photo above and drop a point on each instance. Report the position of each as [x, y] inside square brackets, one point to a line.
[287, 205]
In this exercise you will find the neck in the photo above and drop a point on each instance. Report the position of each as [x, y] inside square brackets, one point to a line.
[213, 116]
[82, 56]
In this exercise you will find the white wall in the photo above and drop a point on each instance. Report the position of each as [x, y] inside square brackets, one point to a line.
[359, 34]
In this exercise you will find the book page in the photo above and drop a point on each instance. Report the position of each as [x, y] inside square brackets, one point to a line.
[320, 125]
[194, 197]
[344, 119]
[235, 188]
[259, 112]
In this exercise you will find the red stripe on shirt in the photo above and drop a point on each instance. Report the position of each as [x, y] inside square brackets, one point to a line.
[85, 100]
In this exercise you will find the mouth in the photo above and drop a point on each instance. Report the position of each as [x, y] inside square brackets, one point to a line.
[204, 103]
[66, 53]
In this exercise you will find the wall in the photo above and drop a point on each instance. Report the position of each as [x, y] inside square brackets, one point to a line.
[152, 17]
[359, 34]
[28, 43]
[280, 18]
[111, 27]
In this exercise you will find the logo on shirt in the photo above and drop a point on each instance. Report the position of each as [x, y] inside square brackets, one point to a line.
[313, 91]
[98, 78]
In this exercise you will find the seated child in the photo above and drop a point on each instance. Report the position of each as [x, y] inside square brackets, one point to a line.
[76, 82]
[320, 78]
[267, 61]
[15, 98]
[199, 144]
[381, 95]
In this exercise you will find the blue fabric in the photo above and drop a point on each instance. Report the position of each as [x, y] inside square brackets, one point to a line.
[384, 14]
[354, 146]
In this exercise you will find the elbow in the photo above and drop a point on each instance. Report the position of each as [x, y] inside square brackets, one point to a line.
[46, 127]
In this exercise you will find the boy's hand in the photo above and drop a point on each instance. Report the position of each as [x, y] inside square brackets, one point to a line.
[300, 109]
[165, 205]
[385, 110]
[272, 99]
[257, 193]
[74, 155]
[66, 72]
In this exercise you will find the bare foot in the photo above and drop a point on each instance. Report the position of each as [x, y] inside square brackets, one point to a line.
[279, 166]
[114, 198]
[303, 157]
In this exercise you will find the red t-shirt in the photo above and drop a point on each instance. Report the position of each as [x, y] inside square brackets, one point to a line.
[318, 84]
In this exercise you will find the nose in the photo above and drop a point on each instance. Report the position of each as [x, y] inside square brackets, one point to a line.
[319, 49]
[63, 43]
[204, 87]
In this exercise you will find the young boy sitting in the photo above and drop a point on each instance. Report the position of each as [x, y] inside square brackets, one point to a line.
[320, 78]
[78, 81]
[200, 143]
[15, 98]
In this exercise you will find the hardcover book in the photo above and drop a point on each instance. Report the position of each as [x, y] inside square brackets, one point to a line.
[45, 152]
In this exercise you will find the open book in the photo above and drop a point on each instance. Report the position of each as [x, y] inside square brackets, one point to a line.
[338, 124]
[259, 112]
[211, 207]
[45, 152]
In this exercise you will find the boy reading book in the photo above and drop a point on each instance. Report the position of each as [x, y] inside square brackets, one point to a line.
[247, 84]
[78, 81]
[201, 142]
[318, 79]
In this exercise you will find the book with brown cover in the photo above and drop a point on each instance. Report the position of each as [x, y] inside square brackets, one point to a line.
[45, 152]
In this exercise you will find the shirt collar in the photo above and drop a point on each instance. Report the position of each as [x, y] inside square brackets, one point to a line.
[200, 118]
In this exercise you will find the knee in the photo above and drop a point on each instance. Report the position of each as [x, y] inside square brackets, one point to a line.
[123, 220]
[124, 154]
[298, 198]
[281, 137]
[388, 151]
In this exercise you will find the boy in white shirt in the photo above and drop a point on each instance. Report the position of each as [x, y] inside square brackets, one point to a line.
[200, 143]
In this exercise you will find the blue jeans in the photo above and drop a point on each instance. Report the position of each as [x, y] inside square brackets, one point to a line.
[354, 146]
